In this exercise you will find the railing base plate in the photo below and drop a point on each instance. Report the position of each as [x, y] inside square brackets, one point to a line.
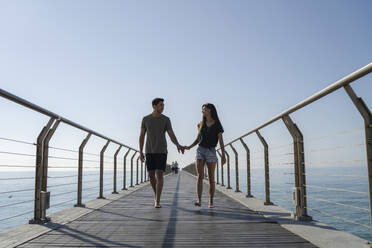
[79, 205]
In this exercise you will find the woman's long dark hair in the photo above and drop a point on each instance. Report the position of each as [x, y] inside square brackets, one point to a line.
[213, 114]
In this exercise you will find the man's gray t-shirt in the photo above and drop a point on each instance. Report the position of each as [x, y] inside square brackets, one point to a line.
[155, 128]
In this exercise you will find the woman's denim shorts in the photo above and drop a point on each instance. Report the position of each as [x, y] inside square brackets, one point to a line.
[206, 154]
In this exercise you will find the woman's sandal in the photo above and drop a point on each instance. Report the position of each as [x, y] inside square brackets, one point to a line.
[197, 203]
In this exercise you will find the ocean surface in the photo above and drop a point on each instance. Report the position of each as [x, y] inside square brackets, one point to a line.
[336, 196]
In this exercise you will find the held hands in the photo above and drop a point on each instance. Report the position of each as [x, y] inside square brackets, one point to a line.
[181, 148]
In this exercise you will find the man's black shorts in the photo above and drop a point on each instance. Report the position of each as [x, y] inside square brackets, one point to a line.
[156, 161]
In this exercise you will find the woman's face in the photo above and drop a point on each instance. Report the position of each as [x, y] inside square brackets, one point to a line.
[206, 111]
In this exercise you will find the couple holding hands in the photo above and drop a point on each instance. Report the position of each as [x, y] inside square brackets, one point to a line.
[155, 125]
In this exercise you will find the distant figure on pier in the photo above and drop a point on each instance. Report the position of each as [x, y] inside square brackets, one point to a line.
[209, 133]
[155, 125]
[175, 167]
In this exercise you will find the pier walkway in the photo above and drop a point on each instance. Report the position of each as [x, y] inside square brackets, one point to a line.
[131, 221]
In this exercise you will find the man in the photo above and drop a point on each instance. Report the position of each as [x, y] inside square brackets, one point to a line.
[155, 125]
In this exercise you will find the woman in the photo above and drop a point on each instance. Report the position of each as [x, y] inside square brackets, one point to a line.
[210, 132]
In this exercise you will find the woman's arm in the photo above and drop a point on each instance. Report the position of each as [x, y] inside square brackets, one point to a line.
[222, 145]
[194, 143]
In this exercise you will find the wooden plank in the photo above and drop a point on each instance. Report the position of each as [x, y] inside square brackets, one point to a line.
[131, 221]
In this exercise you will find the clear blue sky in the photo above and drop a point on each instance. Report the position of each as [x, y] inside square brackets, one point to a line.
[100, 63]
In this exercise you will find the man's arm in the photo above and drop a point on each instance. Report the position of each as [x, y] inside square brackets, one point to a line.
[141, 142]
[173, 138]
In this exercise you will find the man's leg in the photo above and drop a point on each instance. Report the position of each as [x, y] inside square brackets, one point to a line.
[152, 180]
[159, 187]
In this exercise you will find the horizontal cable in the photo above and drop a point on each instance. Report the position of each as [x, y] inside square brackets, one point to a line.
[281, 155]
[62, 149]
[84, 189]
[73, 175]
[18, 215]
[280, 146]
[73, 167]
[64, 158]
[65, 193]
[289, 163]
[91, 188]
[340, 218]
[333, 175]
[60, 185]
[91, 181]
[15, 191]
[18, 141]
[16, 178]
[16, 203]
[335, 147]
[336, 162]
[333, 134]
[18, 154]
[64, 176]
[257, 158]
[336, 189]
[94, 193]
[63, 167]
[337, 203]
[76, 151]
[274, 147]
[16, 166]
[62, 203]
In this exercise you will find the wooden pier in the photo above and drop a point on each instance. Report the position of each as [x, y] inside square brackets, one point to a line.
[131, 221]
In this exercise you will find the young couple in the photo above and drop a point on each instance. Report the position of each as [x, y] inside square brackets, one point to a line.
[155, 125]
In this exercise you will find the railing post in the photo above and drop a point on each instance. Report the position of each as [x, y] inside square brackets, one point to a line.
[101, 171]
[267, 175]
[44, 185]
[217, 173]
[145, 172]
[141, 172]
[299, 169]
[228, 170]
[125, 170]
[367, 116]
[137, 169]
[115, 168]
[222, 177]
[80, 172]
[249, 194]
[236, 169]
[131, 169]
[39, 172]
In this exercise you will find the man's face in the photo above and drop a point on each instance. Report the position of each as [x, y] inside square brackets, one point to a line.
[159, 107]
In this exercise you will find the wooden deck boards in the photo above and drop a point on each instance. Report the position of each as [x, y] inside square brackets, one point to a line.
[131, 221]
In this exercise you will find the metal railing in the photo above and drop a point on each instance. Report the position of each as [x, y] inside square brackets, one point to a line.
[298, 147]
[42, 157]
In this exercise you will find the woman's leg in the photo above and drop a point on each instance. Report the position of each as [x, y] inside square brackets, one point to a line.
[199, 184]
[211, 170]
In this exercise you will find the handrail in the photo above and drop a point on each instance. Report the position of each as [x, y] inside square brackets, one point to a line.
[299, 190]
[326, 91]
[46, 112]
